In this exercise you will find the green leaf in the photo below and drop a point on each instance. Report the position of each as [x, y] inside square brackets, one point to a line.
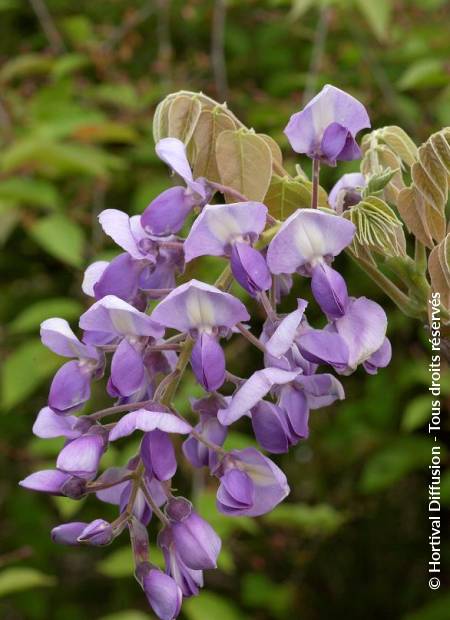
[378, 16]
[67, 64]
[25, 65]
[61, 238]
[119, 563]
[208, 605]
[18, 579]
[24, 370]
[395, 461]
[33, 315]
[312, 520]
[424, 73]
[32, 192]
[128, 614]
[244, 161]
[9, 216]
[66, 507]
[437, 609]
[285, 195]
[55, 159]
[258, 591]
[417, 412]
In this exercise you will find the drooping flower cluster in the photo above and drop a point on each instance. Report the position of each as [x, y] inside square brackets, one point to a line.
[150, 350]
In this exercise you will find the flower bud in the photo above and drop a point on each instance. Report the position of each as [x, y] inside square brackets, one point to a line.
[74, 487]
[68, 533]
[163, 593]
[97, 533]
[196, 542]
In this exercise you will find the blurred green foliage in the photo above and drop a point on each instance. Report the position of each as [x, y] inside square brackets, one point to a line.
[77, 93]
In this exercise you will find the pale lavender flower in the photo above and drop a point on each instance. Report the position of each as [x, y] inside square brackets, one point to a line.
[250, 484]
[327, 126]
[71, 386]
[206, 313]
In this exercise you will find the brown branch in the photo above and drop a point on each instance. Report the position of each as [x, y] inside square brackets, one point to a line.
[48, 25]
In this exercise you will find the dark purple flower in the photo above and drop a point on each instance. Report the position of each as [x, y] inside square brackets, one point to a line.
[209, 427]
[188, 579]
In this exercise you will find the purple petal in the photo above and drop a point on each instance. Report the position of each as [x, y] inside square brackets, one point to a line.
[173, 153]
[119, 278]
[196, 542]
[196, 305]
[92, 275]
[324, 346]
[237, 488]
[163, 594]
[269, 426]
[45, 481]
[363, 327]
[295, 404]
[250, 269]
[329, 290]
[81, 456]
[320, 390]
[115, 316]
[158, 455]
[351, 150]
[306, 238]
[350, 181]
[167, 212]
[70, 388]
[116, 224]
[208, 362]
[49, 424]
[379, 359]
[252, 391]
[219, 226]
[127, 369]
[145, 420]
[332, 105]
[57, 335]
[333, 142]
[270, 484]
[67, 533]
[284, 335]
[97, 533]
[113, 493]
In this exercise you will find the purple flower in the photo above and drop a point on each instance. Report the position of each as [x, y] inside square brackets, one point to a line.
[49, 424]
[351, 339]
[307, 242]
[188, 579]
[346, 192]
[112, 319]
[48, 481]
[81, 456]
[163, 593]
[71, 386]
[166, 213]
[155, 417]
[68, 533]
[196, 542]
[206, 313]
[326, 127]
[230, 230]
[97, 533]
[250, 484]
[158, 455]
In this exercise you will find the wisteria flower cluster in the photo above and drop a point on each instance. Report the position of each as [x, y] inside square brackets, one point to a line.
[149, 351]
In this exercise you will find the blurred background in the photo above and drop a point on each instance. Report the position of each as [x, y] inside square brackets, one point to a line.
[79, 81]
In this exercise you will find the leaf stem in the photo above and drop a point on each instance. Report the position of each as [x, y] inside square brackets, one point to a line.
[315, 183]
